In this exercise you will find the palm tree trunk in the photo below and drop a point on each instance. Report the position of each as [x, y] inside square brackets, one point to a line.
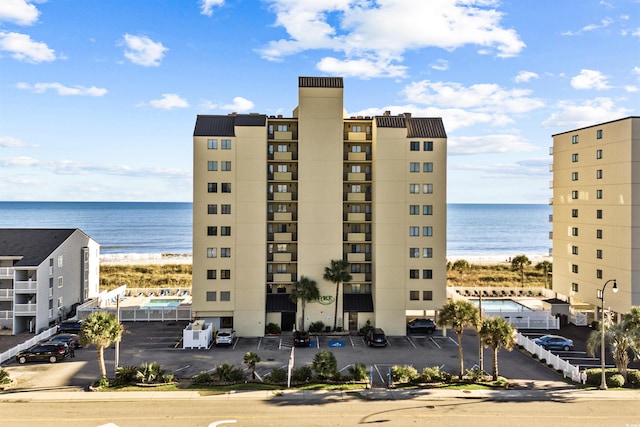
[103, 369]
[302, 322]
[460, 356]
[495, 364]
[335, 313]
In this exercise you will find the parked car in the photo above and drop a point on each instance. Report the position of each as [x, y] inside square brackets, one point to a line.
[301, 339]
[554, 342]
[225, 336]
[72, 340]
[50, 351]
[70, 327]
[376, 338]
[421, 325]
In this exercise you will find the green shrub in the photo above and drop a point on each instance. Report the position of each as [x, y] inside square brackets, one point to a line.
[475, 375]
[302, 374]
[227, 373]
[358, 372]
[4, 376]
[633, 378]
[202, 378]
[126, 375]
[277, 376]
[150, 373]
[404, 373]
[316, 326]
[366, 328]
[594, 376]
[325, 364]
[102, 382]
[272, 328]
[616, 380]
[432, 375]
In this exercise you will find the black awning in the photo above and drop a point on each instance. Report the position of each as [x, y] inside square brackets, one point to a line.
[280, 303]
[362, 303]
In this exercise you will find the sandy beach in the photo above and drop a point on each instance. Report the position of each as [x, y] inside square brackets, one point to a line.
[130, 259]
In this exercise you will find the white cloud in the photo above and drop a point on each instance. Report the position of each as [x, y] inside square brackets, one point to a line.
[63, 90]
[380, 32]
[590, 79]
[525, 76]
[141, 50]
[169, 101]
[239, 104]
[440, 65]
[20, 12]
[362, 68]
[574, 115]
[591, 27]
[631, 89]
[206, 6]
[11, 142]
[487, 144]
[24, 49]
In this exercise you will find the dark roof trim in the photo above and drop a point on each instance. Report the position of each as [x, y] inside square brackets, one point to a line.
[327, 82]
[210, 125]
[596, 125]
[34, 245]
[417, 127]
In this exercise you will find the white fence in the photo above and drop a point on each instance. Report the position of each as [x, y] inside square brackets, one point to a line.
[567, 369]
[27, 344]
[525, 321]
[143, 314]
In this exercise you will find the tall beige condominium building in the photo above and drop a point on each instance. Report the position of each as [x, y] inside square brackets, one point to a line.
[596, 213]
[278, 198]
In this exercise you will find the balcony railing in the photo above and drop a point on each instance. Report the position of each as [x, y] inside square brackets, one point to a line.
[6, 294]
[25, 309]
[26, 286]
[7, 272]
[6, 315]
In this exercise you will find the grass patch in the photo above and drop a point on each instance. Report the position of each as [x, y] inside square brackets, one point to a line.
[145, 276]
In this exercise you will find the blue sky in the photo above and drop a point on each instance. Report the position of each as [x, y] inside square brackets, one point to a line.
[98, 98]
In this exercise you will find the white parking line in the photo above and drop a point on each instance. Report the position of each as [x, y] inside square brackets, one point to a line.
[411, 342]
[434, 341]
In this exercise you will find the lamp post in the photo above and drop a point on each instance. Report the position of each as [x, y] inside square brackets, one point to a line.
[603, 380]
[480, 349]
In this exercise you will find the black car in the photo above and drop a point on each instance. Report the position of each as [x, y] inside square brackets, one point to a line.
[50, 351]
[421, 325]
[70, 327]
[72, 340]
[376, 338]
[301, 339]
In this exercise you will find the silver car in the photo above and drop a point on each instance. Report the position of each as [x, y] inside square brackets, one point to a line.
[225, 337]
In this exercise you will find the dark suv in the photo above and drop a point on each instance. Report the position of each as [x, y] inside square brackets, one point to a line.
[376, 338]
[301, 339]
[421, 325]
[50, 351]
[70, 327]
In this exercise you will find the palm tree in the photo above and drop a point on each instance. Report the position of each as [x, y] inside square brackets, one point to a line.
[304, 290]
[461, 266]
[546, 268]
[459, 315]
[251, 359]
[519, 263]
[101, 329]
[623, 339]
[337, 273]
[497, 333]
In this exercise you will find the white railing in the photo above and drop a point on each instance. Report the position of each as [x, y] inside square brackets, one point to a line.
[6, 314]
[26, 285]
[6, 294]
[532, 322]
[567, 369]
[7, 271]
[142, 314]
[578, 318]
[25, 345]
[25, 308]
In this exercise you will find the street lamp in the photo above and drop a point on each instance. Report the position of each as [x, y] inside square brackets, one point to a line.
[603, 380]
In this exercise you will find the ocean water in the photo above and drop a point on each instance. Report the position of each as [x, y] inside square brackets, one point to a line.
[165, 228]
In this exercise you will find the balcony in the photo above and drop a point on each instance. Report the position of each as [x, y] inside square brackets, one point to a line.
[357, 176]
[282, 216]
[282, 237]
[357, 237]
[26, 287]
[282, 155]
[360, 277]
[282, 277]
[6, 315]
[6, 294]
[357, 136]
[550, 184]
[356, 257]
[356, 197]
[6, 272]
[282, 197]
[356, 217]
[282, 257]
[25, 309]
[284, 136]
[282, 176]
[550, 217]
[358, 157]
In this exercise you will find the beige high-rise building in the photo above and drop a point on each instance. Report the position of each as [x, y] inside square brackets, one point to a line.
[596, 213]
[278, 198]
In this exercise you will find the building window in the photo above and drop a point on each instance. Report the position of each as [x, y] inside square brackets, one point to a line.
[414, 209]
[427, 209]
[414, 231]
[598, 154]
[598, 234]
[427, 231]
[598, 274]
[574, 139]
[574, 287]
[356, 149]
[427, 252]
[225, 209]
[599, 134]
[60, 263]
[414, 188]
[598, 194]
[574, 231]
[211, 274]
[574, 176]
[599, 253]
[414, 274]
[599, 214]
[212, 165]
[574, 250]
[414, 295]
[212, 187]
[574, 194]
[427, 295]
[414, 167]
[427, 188]
[282, 148]
[285, 168]
[428, 146]
[427, 167]
[211, 295]
[282, 128]
[60, 281]
[574, 157]
[225, 231]
[225, 252]
[414, 252]
[226, 187]
[574, 268]
[225, 274]
[225, 166]
[414, 145]
[599, 174]
[212, 252]
[574, 213]
[356, 128]
[225, 144]
[212, 230]
[427, 274]
[225, 296]
[212, 209]
[212, 144]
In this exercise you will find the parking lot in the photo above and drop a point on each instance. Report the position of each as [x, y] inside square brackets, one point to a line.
[161, 342]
